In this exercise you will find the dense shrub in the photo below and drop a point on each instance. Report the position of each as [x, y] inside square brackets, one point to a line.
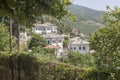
[79, 59]
[32, 67]
[36, 41]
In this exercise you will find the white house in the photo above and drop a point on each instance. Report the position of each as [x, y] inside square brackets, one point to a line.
[46, 28]
[49, 32]
[55, 40]
[78, 45]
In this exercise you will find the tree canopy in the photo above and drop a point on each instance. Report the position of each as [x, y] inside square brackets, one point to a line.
[106, 41]
[37, 41]
[4, 37]
[25, 11]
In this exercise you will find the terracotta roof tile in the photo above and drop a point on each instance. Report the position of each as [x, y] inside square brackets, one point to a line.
[52, 46]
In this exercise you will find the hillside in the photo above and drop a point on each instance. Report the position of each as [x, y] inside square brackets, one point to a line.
[87, 20]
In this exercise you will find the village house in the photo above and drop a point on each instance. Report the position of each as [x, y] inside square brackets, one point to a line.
[49, 32]
[55, 40]
[78, 45]
[46, 28]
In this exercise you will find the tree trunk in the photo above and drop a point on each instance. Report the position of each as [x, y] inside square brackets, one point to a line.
[18, 64]
[10, 34]
[19, 71]
[5, 73]
[12, 70]
[18, 38]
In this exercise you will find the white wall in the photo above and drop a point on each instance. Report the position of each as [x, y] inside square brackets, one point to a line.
[46, 30]
[56, 41]
[77, 46]
[54, 29]
[58, 52]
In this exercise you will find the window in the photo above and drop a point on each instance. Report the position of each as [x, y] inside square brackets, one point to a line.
[54, 32]
[54, 41]
[39, 28]
[83, 47]
[48, 28]
[74, 48]
[36, 28]
[79, 48]
[44, 29]
[71, 48]
[48, 42]
[60, 41]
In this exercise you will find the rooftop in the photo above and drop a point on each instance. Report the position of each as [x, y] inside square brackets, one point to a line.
[47, 24]
[53, 36]
[52, 46]
[78, 40]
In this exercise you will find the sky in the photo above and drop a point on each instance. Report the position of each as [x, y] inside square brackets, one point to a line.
[97, 4]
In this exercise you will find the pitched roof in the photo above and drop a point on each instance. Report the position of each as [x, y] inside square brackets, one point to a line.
[53, 36]
[52, 46]
[47, 24]
[77, 40]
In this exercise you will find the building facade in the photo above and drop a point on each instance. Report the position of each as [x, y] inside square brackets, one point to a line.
[56, 40]
[46, 28]
[79, 45]
[49, 32]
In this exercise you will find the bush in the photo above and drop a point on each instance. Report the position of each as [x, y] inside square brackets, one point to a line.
[78, 59]
[37, 41]
[32, 67]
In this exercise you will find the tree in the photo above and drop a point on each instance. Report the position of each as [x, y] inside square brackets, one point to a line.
[25, 12]
[37, 41]
[65, 42]
[4, 37]
[106, 42]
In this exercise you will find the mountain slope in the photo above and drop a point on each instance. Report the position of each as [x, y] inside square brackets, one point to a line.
[88, 20]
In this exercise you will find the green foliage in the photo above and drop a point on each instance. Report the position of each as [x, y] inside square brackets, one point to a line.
[35, 68]
[43, 69]
[78, 59]
[62, 27]
[41, 50]
[26, 11]
[95, 74]
[4, 37]
[37, 44]
[50, 51]
[106, 43]
[65, 42]
[66, 38]
[87, 20]
[36, 41]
